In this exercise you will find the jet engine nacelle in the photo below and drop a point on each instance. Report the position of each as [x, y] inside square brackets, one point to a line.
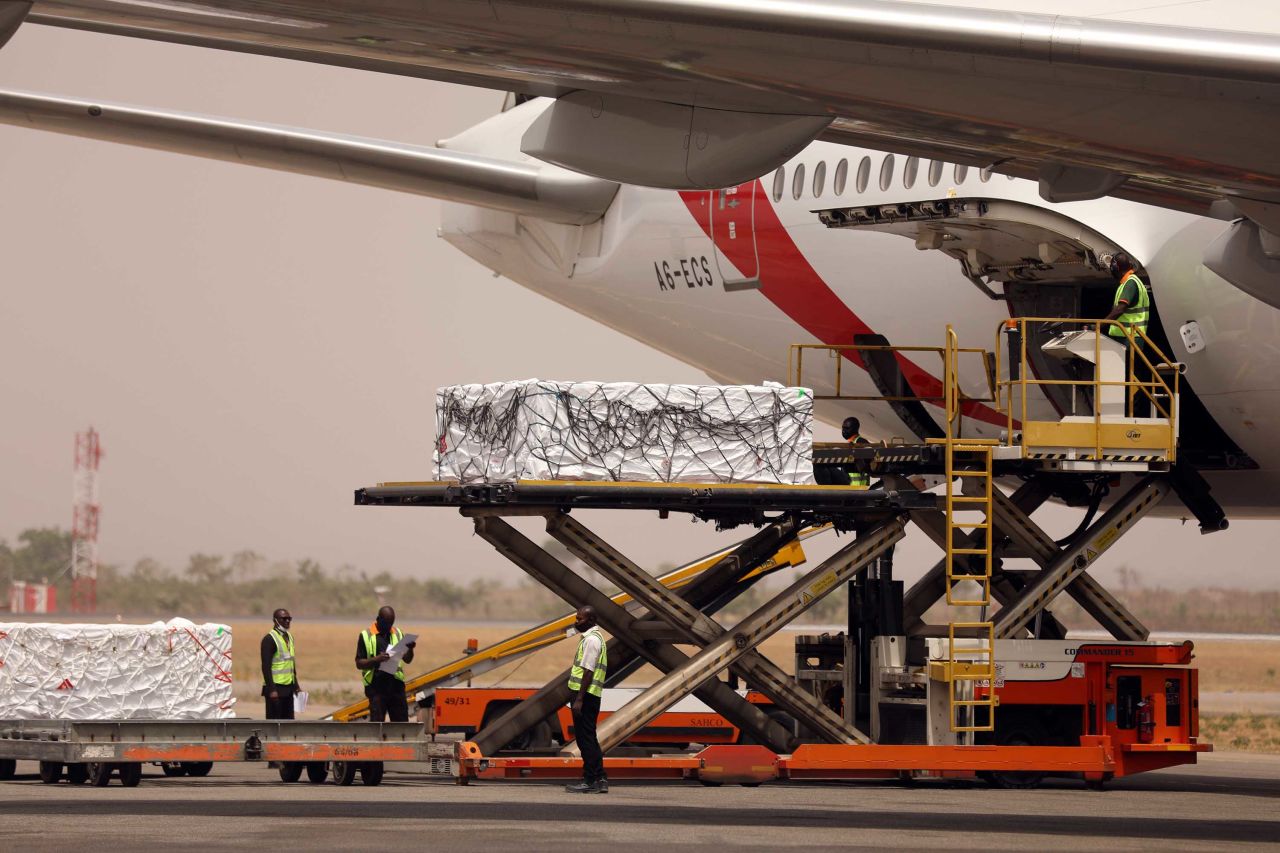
[670, 146]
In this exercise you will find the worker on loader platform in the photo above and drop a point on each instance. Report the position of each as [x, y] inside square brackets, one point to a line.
[859, 477]
[384, 690]
[586, 680]
[1131, 304]
[279, 668]
[1131, 307]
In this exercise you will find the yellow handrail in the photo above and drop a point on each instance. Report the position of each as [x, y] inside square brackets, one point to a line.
[1155, 389]
[795, 370]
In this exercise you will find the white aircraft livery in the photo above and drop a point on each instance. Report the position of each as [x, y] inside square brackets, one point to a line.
[723, 179]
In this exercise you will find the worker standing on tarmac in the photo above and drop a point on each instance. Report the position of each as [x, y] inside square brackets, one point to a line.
[384, 690]
[586, 680]
[859, 478]
[279, 668]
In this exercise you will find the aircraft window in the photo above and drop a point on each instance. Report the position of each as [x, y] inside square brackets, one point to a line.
[985, 174]
[779, 183]
[886, 172]
[819, 178]
[909, 172]
[935, 173]
[842, 177]
[961, 173]
[864, 175]
[797, 182]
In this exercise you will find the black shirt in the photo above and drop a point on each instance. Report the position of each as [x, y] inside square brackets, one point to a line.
[383, 682]
[268, 651]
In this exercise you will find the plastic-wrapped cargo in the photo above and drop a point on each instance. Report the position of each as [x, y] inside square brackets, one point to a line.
[624, 431]
[174, 670]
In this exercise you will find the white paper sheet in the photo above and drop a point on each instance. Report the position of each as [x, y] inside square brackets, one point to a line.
[300, 701]
[391, 664]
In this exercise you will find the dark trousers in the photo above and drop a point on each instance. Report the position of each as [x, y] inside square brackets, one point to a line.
[584, 732]
[282, 708]
[392, 706]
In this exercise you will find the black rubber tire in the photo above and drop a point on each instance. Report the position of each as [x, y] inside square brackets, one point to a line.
[50, 772]
[1021, 733]
[8, 767]
[197, 768]
[77, 774]
[290, 771]
[317, 772]
[371, 773]
[343, 772]
[709, 784]
[170, 768]
[100, 773]
[1099, 784]
[130, 773]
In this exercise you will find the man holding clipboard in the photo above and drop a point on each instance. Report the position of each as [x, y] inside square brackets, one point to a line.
[382, 650]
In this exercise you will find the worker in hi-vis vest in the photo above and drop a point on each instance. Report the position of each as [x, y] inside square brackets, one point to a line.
[384, 690]
[279, 667]
[586, 680]
[859, 478]
[1132, 307]
[1131, 304]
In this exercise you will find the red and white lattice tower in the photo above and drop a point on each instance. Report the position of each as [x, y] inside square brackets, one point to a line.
[84, 524]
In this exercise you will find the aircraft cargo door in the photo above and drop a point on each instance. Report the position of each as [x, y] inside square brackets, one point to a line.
[733, 230]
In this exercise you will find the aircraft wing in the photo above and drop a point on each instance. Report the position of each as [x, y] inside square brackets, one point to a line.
[1172, 116]
[531, 189]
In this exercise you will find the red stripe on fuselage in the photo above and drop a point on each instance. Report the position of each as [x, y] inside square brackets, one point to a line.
[789, 281]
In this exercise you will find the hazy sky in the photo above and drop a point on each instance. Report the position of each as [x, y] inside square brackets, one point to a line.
[254, 345]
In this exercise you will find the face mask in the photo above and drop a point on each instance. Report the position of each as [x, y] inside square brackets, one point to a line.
[383, 624]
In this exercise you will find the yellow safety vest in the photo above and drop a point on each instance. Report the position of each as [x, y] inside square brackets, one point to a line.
[1136, 315]
[596, 687]
[282, 662]
[859, 479]
[371, 650]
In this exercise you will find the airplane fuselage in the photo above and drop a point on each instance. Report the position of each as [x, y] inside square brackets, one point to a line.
[655, 268]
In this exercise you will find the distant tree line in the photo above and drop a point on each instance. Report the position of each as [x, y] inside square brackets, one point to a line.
[248, 584]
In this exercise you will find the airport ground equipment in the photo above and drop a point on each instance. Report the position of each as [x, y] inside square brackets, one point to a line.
[894, 693]
[92, 751]
[421, 688]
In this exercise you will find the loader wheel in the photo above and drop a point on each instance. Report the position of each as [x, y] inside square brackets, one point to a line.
[344, 772]
[290, 771]
[8, 767]
[130, 774]
[197, 768]
[50, 772]
[371, 773]
[317, 772]
[77, 774]
[1019, 734]
[100, 773]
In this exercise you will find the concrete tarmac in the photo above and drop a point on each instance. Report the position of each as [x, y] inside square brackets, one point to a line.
[1227, 801]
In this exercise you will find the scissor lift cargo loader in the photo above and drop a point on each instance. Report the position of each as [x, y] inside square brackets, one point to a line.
[945, 681]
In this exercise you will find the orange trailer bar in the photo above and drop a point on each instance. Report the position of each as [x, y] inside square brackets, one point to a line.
[1096, 758]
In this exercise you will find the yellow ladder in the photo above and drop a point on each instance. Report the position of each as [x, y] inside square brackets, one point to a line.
[968, 460]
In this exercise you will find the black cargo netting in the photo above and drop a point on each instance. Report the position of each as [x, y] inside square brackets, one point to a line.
[599, 431]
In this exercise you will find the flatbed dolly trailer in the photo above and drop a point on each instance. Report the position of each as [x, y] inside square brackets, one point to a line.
[94, 751]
